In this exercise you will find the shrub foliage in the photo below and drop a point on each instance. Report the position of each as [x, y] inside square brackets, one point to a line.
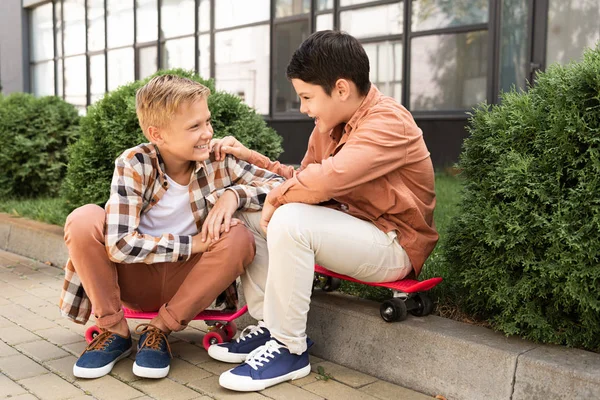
[34, 133]
[525, 246]
[111, 126]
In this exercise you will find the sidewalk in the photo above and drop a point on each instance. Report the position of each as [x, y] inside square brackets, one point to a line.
[38, 348]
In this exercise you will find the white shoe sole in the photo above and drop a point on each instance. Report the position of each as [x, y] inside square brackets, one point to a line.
[153, 373]
[247, 384]
[222, 354]
[91, 373]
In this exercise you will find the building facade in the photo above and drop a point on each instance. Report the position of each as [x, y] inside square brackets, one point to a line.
[439, 58]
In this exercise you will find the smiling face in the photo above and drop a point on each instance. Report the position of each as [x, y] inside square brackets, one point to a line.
[315, 103]
[187, 135]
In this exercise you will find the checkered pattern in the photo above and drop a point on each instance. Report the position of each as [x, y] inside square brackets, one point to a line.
[139, 183]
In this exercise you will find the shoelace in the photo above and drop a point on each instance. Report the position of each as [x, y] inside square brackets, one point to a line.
[154, 337]
[251, 330]
[263, 354]
[100, 342]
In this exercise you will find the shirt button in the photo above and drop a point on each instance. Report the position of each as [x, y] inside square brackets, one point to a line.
[165, 183]
[344, 207]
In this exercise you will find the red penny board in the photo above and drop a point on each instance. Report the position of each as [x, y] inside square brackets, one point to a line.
[403, 285]
[208, 315]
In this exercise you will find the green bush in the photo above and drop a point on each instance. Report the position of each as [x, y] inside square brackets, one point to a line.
[524, 248]
[111, 126]
[34, 133]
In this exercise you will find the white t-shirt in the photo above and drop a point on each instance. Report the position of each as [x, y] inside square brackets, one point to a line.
[172, 214]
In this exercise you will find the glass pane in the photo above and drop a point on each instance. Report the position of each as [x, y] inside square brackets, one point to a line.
[513, 44]
[344, 3]
[285, 8]
[147, 20]
[287, 39]
[97, 77]
[95, 25]
[179, 53]
[436, 14]
[324, 22]
[42, 79]
[120, 23]
[385, 60]
[204, 44]
[75, 80]
[239, 12]
[204, 15]
[148, 61]
[177, 17]
[324, 5]
[74, 20]
[242, 65]
[120, 67]
[448, 72]
[58, 27]
[42, 41]
[59, 78]
[373, 21]
[572, 27]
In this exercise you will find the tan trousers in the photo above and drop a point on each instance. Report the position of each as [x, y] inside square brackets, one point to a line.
[278, 284]
[177, 290]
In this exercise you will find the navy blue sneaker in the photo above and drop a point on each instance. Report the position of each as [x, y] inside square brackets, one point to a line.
[237, 350]
[153, 359]
[101, 355]
[267, 366]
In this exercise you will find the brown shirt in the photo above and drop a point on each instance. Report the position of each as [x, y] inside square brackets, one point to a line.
[376, 166]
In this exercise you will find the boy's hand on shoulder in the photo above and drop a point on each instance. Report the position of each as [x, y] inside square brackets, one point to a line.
[220, 214]
[200, 246]
[229, 145]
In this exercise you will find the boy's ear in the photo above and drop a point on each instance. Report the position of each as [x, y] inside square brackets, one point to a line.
[155, 135]
[342, 89]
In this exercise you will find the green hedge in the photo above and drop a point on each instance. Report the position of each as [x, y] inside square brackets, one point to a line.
[111, 126]
[525, 246]
[34, 133]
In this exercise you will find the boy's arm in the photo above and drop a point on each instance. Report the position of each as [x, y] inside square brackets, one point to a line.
[124, 243]
[251, 184]
[374, 149]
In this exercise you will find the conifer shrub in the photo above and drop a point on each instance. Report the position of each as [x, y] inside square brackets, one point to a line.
[111, 126]
[34, 133]
[524, 249]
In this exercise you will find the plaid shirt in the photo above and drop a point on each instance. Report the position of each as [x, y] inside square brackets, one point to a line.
[139, 183]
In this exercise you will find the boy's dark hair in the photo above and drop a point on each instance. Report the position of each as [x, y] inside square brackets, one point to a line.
[327, 56]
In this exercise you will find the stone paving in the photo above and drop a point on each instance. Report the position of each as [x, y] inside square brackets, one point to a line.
[38, 348]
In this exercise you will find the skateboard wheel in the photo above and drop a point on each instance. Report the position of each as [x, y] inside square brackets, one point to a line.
[213, 337]
[230, 330]
[424, 305]
[393, 310]
[331, 284]
[91, 333]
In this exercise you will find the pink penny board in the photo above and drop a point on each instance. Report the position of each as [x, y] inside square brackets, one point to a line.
[208, 315]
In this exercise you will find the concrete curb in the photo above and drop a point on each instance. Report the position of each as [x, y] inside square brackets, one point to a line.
[432, 355]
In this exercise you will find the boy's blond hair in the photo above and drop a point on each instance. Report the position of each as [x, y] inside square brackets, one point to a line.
[158, 100]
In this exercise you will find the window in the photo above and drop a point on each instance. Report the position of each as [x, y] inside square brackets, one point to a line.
[120, 67]
[120, 23]
[230, 13]
[373, 21]
[385, 61]
[42, 48]
[572, 27]
[74, 26]
[438, 14]
[242, 64]
[75, 80]
[147, 61]
[146, 20]
[287, 37]
[42, 79]
[96, 25]
[324, 22]
[177, 17]
[97, 77]
[179, 53]
[286, 8]
[324, 5]
[204, 44]
[204, 16]
[513, 44]
[448, 72]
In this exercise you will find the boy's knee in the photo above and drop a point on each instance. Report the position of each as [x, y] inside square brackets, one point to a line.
[84, 219]
[285, 217]
[242, 240]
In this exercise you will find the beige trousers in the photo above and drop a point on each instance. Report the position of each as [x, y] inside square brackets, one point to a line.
[278, 283]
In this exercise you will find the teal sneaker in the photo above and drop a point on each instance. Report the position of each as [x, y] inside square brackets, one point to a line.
[153, 358]
[101, 355]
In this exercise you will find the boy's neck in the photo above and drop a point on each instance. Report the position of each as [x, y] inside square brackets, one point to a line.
[179, 171]
[353, 106]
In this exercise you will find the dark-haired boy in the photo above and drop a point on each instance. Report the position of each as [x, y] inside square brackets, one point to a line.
[366, 157]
